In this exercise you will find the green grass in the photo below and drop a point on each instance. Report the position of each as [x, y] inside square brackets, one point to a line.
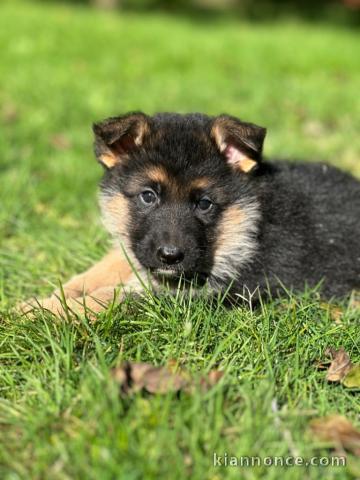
[61, 416]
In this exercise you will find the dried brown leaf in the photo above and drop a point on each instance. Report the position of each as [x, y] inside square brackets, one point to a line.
[322, 365]
[133, 377]
[337, 430]
[162, 380]
[213, 377]
[340, 365]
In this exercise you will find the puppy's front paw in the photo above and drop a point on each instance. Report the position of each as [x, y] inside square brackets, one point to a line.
[74, 288]
[52, 304]
[88, 305]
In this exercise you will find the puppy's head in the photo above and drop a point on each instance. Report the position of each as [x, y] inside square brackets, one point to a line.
[177, 191]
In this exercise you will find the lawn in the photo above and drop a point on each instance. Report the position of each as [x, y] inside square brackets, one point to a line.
[61, 415]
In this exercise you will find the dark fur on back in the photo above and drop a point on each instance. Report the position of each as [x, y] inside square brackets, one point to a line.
[269, 224]
[309, 231]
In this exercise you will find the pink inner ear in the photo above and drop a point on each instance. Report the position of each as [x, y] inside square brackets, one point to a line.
[233, 155]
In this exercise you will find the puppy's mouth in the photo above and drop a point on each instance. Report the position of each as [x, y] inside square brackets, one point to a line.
[173, 275]
[167, 272]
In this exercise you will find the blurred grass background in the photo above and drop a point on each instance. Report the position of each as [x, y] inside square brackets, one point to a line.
[293, 67]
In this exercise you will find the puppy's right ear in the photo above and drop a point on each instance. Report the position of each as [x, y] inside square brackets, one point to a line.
[117, 137]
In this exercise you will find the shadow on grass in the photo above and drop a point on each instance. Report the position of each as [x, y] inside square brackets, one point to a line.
[341, 12]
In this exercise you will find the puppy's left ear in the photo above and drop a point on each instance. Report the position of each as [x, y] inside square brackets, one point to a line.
[117, 137]
[241, 143]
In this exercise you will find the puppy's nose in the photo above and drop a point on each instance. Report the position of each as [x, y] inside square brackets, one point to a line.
[170, 254]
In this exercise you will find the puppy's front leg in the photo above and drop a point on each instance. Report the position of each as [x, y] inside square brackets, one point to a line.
[112, 270]
[91, 304]
[94, 288]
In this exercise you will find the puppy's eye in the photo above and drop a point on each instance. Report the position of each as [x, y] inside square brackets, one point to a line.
[148, 197]
[204, 204]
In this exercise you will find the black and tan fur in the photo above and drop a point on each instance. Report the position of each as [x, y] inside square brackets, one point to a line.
[189, 196]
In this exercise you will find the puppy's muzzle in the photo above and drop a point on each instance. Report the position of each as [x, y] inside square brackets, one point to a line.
[170, 254]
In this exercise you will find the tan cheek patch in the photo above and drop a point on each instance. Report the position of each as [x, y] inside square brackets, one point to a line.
[229, 228]
[236, 241]
[116, 214]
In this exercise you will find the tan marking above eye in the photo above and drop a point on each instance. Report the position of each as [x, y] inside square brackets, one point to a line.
[158, 174]
[178, 190]
[200, 183]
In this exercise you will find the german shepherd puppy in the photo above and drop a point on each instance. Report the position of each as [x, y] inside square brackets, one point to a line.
[189, 196]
